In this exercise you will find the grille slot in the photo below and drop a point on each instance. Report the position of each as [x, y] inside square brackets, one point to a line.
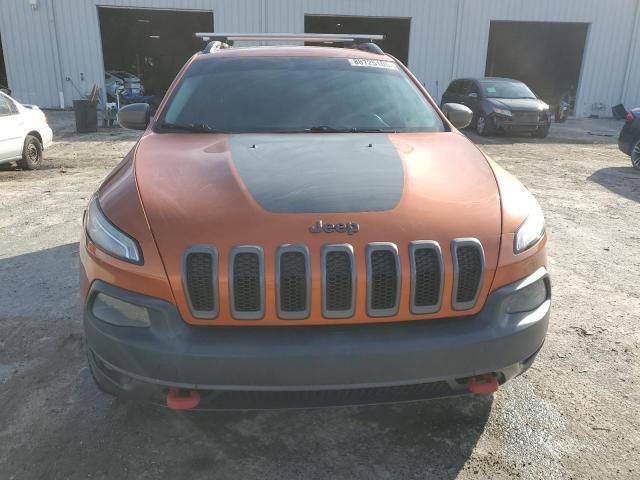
[246, 282]
[426, 276]
[468, 270]
[338, 281]
[293, 282]
[383, 279]
[525, 117]
[200, 277]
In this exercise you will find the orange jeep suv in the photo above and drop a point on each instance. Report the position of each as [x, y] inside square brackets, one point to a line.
[302, 226]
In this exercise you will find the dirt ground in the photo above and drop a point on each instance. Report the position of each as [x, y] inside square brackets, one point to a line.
[575, 414]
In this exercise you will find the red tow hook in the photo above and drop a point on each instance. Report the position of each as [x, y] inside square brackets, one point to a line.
[180, 399]
[483, 384]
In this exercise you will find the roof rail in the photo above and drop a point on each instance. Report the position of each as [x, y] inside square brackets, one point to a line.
[219, 41]
[303, 37]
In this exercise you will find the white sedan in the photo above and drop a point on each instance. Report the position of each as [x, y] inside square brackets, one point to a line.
[24, 133]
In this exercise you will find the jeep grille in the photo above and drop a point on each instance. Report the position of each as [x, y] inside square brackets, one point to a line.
[246, 283]
[468, 268]
[201, 281]
[293, 279]
[338, 281]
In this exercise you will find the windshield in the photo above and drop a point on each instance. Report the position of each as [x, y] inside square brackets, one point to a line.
[505, 89]
[298, 94]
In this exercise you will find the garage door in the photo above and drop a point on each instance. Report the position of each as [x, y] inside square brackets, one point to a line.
[149, 46]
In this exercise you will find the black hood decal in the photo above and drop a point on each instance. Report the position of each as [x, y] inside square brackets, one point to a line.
[319, 172]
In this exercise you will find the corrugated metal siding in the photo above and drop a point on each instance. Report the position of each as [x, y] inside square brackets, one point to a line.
[431, 39]
[28, 52]
[34, 75]
[604, 62]
[631, 91]
[81, 34]
[448, 38]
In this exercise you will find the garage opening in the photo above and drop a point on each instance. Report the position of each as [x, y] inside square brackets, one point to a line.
[395, 30]
[547, 56]
[143, 49]
[4, 82]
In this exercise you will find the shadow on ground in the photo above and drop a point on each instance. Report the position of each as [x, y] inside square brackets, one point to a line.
[54, 423]
[509, 139]
[624, 181]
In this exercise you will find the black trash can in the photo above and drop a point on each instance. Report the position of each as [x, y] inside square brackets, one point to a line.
[86, 116]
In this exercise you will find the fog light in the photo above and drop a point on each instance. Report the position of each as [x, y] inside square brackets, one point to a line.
[117, 312]
[529, 298]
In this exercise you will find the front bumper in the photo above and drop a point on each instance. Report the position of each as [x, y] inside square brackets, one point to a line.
[262, 367]
[626, 139]
[47, 137]
[508, 125]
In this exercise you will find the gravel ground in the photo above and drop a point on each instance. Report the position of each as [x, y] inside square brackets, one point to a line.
[575, 414]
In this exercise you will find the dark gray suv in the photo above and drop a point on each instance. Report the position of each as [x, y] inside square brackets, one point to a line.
[500, 104]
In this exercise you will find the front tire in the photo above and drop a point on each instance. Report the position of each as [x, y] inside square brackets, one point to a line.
[542, 132]
[635, 155]
[31, 154]
[483, 125]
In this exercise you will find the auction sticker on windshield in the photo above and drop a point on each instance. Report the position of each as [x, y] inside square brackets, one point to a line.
[363, 62]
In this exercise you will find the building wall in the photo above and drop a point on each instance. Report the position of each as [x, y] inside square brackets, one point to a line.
[448, 38]
[608, 41]
[431, 39]
[28, 52]
[77, 37]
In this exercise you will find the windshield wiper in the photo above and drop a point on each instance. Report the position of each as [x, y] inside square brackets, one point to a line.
[328, 129]
[373, 130]
[191, 127]
[325, 129]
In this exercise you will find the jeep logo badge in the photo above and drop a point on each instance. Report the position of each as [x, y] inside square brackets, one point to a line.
[348, 228]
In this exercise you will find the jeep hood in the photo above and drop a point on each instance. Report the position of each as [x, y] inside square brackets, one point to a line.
[268, 190]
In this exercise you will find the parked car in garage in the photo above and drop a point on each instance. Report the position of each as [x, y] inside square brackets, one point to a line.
[500, 104]
[24, 133]
[629, 140]
[302, 226]
[123, 82]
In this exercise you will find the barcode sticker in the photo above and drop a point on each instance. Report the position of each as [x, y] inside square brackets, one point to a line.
[364, 62]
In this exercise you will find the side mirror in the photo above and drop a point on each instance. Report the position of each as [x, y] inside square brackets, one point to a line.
[473, 95]
[459, 115]
[135, 116]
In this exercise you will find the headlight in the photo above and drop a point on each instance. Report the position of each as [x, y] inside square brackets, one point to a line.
[108, 237]
[502, 111]
[531, 230]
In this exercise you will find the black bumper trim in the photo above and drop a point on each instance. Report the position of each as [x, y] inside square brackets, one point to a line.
[333, 357]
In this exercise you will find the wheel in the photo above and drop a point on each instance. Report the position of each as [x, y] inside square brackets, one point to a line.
[31, 154]
[542, 132]
[483, 125]
[635, 155]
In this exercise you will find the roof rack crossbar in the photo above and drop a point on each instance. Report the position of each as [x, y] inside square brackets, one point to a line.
[284, 37]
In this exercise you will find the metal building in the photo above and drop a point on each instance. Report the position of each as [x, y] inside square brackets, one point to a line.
[54, 51]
